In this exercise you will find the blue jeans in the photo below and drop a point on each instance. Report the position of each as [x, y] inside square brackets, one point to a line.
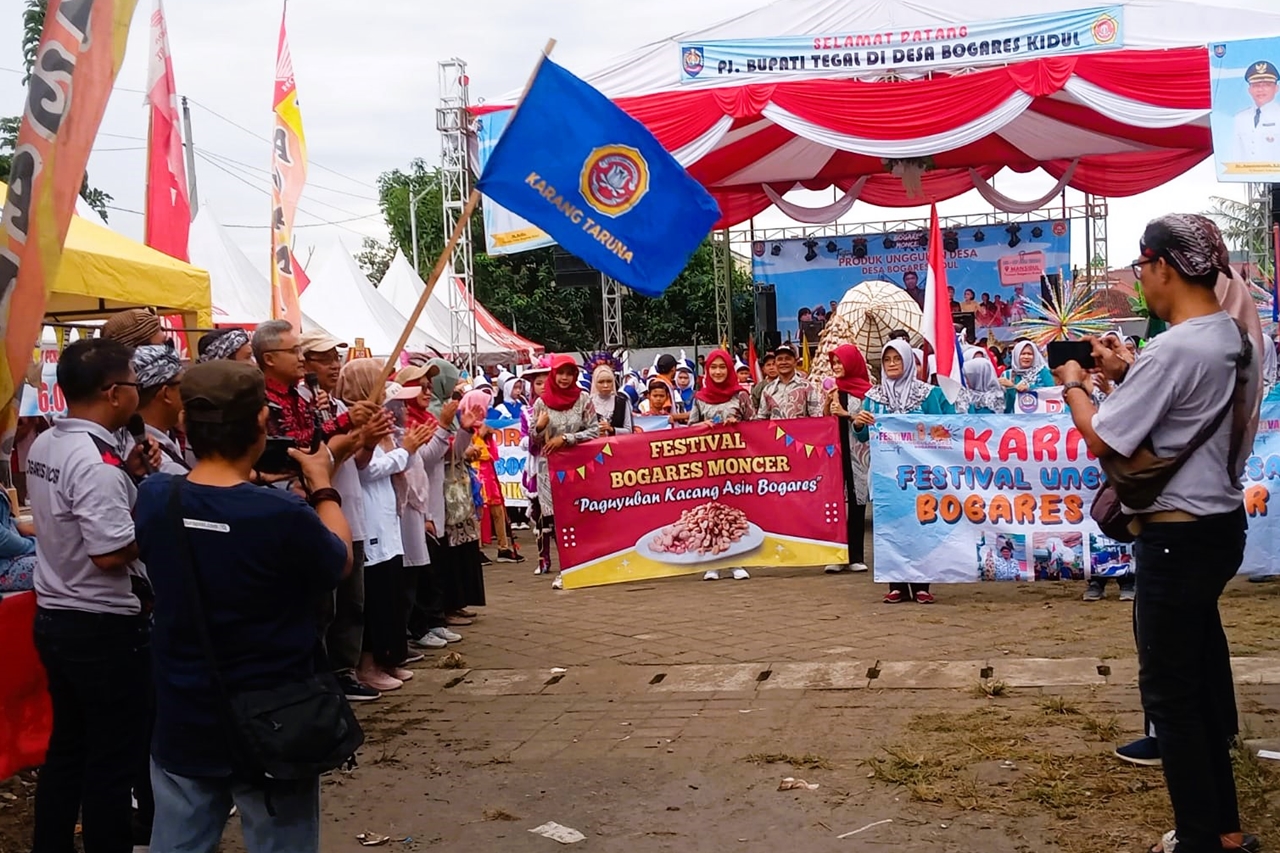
[191, 814]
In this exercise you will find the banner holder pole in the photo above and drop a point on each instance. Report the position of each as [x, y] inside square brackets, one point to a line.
[464, 220]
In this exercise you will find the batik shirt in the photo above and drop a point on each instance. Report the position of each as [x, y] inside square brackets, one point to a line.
[783, 400]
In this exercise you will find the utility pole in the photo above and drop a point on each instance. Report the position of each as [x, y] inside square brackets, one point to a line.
[413, 228]
[191, 158]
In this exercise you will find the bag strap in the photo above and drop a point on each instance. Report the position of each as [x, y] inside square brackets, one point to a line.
[1235, 404]
[186, 557]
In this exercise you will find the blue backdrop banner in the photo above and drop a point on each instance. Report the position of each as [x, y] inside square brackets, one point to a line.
[989, 269]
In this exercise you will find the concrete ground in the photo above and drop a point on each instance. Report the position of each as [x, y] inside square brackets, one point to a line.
[666, 715]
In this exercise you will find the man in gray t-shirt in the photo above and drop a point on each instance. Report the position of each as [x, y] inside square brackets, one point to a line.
[92, 625]
[1190, 542]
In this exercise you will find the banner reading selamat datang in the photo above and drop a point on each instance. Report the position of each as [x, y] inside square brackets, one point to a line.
[1007, 498]
[675, 502]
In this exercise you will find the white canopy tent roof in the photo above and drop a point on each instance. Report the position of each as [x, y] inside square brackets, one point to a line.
[240, 289]
[343, 301]
[402, 287]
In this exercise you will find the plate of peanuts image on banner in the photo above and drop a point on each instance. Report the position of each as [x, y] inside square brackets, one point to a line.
[706, 533]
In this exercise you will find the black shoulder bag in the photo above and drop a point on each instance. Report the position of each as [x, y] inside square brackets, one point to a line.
[1137, 481]
[295, 730]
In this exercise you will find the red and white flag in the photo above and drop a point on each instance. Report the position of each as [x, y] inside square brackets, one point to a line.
[938, 327]
[168, 220]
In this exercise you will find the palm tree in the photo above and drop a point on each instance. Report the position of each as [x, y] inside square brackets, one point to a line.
[1245, 226]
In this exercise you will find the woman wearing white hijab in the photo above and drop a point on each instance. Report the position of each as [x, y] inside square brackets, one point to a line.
[1027, 369]
[982, 394]
[900, 393]
[612, 409]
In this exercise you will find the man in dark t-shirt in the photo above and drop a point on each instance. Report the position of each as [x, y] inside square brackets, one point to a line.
[263, 558]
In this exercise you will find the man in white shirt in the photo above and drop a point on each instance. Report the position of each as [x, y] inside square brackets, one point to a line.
[1257, 129]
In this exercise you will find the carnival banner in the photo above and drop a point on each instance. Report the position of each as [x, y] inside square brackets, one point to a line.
[80, 52]
[1007, 498]
[988, 269]
[288, 175]
[1245, 117]
[512, 457]
[963, 43]
[650, 505]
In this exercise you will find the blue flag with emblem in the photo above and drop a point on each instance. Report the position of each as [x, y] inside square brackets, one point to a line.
[596, 180]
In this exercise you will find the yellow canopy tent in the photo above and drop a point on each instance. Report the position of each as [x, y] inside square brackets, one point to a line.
[103, 272]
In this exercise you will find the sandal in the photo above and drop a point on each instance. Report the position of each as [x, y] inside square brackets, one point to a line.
[1169, 844]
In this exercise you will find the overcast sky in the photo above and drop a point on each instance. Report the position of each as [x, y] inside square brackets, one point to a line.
[367, 81]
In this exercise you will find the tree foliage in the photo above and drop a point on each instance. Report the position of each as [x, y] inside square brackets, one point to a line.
[1245, 227]
[374, 259]
[32, 28]
[520, 289]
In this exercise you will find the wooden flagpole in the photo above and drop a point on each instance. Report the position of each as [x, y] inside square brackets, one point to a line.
[464, 220]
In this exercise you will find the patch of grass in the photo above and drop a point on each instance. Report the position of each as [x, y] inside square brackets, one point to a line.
[990, 688]
[1059, 705]
[1107, 730]
[387, 756]
[808, 761]
[909, 770]
[500, 814]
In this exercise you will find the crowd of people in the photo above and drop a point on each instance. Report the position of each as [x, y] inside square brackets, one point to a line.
[277, 510]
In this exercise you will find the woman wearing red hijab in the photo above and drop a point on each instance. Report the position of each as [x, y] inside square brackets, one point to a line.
[853, 381]
[562, 417]
[722, 399]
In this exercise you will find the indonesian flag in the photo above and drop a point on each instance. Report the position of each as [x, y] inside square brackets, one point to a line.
[168, 205]
[938, 327]
[753, 363]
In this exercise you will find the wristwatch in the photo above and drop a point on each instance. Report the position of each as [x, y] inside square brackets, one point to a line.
[1067, 387]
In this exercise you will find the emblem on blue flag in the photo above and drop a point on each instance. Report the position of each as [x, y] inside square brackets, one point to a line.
[1219, 50]
[614, 179]
[694, 60]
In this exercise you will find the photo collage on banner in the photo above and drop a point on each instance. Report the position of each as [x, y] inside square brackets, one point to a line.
[989, 269]
[989, 498]
[1245, 116]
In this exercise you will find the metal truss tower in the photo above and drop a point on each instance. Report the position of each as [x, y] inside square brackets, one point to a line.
[722, 275]
[1095, 238]
[611, 293]
[455, 187]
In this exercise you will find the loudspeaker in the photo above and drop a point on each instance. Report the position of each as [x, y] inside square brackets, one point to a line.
[572, 271]
[766, 308]
[772, 340]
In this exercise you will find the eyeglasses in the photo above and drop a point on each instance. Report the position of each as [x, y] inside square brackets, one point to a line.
[1137, 266]
[297, 351]
[125, 384]
[322, 358]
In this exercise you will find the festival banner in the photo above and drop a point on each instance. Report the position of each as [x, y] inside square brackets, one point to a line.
[903, 49]
[80, 52]
[651, 505]
[45, 400]
[1244, 115]
[1000, 497]
[987, 271]
[288, 174]
[512, 457]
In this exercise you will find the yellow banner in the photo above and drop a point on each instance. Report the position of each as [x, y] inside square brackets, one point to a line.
[288, 175]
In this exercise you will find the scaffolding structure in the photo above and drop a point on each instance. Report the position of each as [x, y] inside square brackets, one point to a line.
[453, 125]
[611, 293]
[1095, 235]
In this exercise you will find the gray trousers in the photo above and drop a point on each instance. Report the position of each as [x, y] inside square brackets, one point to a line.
[342, 616]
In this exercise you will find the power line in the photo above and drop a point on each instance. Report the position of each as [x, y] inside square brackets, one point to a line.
[209, 159]
[259, 136]
[310, 184]
[129, 148]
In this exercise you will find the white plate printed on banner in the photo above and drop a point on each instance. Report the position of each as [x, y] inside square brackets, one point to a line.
[750, 541]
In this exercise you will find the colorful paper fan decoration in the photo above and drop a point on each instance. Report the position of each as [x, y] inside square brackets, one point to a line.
[1073, 314]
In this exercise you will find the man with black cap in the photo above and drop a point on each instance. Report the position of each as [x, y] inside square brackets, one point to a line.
[262, 559]
[1257, 137]
[790, 395]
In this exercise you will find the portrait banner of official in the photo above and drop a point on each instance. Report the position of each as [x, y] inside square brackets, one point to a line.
[1245, 117]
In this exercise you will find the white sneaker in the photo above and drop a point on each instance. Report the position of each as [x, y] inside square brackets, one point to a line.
[858, 567]
[712, 575]
[446, 635]
[834, 569]
[429, 641]
[741, 575]
[558, 583]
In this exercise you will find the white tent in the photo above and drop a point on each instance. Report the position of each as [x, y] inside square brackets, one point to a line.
[342, 300]
[240, 289]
